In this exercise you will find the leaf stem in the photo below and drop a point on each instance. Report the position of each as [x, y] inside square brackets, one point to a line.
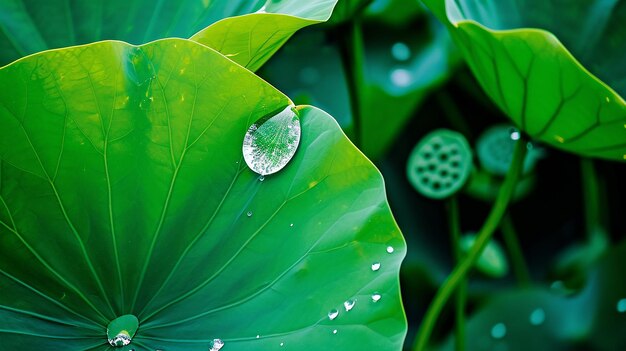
[511, 240]
[484, 235]
[592, 198]
[461, 293]
[353, 63]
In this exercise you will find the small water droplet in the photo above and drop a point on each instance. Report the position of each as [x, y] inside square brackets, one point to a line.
[258, 336]
[249, 214]
[389, 249]
[335, 331]
[400, 51]
[375, 266]
[401, 77]
[269, 144]
[216, 345]
[333, 314]
[282, 344]
[291, 225]
[261, 178]
[121, 339]
[538, 316]
[349, 304]
[498, 331]
[514, 134]
[376, 297]
[621, 306]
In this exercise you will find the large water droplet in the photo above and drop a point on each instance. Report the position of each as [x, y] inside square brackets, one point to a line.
[538, 316]
[400, 51]
[376, 297]
[216, 345]
[498, 331]
[375, 266]
[121, 330]
[349, 304]
[333, 314]
[271, 142]
[621, 306]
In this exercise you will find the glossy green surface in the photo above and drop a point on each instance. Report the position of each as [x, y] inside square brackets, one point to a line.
[123, 191]
[557, 76]
[29, 26]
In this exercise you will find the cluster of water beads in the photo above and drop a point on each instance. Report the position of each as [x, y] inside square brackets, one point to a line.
[121, 339]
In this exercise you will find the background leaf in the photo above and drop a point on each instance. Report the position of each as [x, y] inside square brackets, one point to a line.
[542, 86]
[30, 26]
[123, 191]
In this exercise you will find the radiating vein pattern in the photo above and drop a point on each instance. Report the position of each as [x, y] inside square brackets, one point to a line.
[123, 190]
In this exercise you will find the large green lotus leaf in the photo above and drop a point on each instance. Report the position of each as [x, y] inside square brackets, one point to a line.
[123, 190]
[556, 69]
[29, 26]
[548, 320]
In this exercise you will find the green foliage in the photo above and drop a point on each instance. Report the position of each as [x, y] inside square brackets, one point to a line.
[123, 191]
[33, 26]
[551, 92]
[492, 261]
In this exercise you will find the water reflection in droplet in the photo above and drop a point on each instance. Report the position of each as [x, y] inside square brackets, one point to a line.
[332, 314]
[349, 304]
[121, 339]
[270, 143]
[376, 297]
[216, 345]
[498, 331]
[538, 316]
[375, 266]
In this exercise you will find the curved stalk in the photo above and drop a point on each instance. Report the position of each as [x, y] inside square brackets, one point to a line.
[484, 235]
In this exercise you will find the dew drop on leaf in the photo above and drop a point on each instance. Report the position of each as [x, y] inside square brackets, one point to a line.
[538, 316]
[121, 339]
[498, 331]
[271, 142]
[375, 266]
[333, 314]
[261, 178]
[216, 345]
[249, 214]
[376, 297]
[349, 304]
[335, 331]
[389, 249]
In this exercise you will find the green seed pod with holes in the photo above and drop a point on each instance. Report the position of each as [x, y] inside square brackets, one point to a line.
[440, 164]
[494, 149]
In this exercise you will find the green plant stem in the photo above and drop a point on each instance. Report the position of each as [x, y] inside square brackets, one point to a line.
[455, 236]
[353, 62]
[484, 235]
[511, 240]
[592, 198]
